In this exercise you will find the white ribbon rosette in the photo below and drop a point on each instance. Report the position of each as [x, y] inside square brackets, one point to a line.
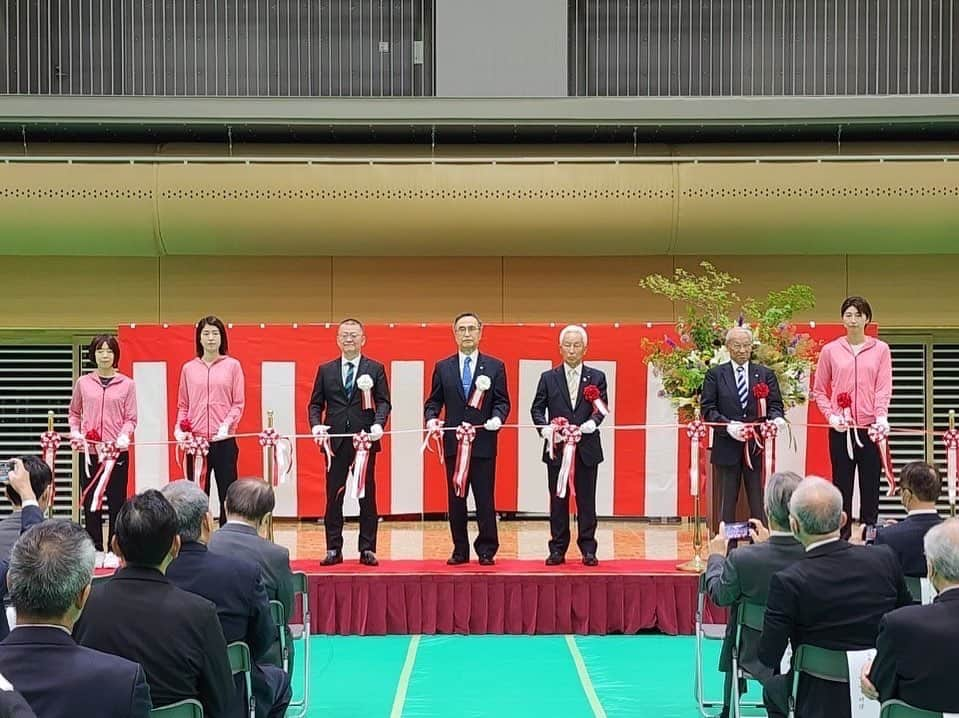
[482, 386]
[365, 385]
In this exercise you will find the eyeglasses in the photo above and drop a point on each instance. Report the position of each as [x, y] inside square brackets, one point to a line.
[735, 345]
[349, 335]
[471, 329]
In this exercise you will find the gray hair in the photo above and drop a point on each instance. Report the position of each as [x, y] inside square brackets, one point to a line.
[190, 505]
[574, 328]
[779, 492]
[739, 330]
[817, 506]
[941, 544]
[50, 565]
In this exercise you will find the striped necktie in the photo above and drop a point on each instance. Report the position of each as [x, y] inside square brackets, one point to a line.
[742, 386]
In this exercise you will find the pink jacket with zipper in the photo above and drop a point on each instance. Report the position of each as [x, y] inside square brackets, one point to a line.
[211, 395]
[866, 376]
[111, 410]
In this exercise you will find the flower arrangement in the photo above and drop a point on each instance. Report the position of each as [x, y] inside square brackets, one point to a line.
[698, 343]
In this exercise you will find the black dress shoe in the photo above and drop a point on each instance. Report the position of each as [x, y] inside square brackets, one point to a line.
[456, 560]
[590, 560]
[486, 561]
[555, 559]
[368, 558]
[332, 558]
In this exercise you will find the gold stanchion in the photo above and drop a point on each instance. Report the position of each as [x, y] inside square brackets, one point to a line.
[696, 565]
[270, 455]
[952, 426]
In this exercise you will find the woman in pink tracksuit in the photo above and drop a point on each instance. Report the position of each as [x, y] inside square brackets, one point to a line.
[211, 396]
[861, 367]
[104, 403]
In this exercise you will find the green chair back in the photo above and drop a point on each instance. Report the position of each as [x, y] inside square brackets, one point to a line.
[898, 709]
[189, 708]
[915, 588]
[822, 663]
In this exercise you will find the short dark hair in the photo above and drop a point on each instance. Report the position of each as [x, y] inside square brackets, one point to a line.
[145, 529]
[213, 322]
[98, 341]
[40, 478]
[922, 480]
[351, 320]
[860, 304]
[467, 314]
[250, 498]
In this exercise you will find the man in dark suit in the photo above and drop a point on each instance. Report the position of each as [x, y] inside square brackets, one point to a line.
[919, 487]
[916, 648]
[41, 481]
[743, 575]
[728, 398]
[235, 587]
[834, 597]
[559, 394]
[139, 615]
[51, 568]
[458, 385]
[248, 503]
[342, 403]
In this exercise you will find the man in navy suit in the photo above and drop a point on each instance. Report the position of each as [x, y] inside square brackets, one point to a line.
[336, 406]
[559, 394]
[234, 586]
[458, 386]
[728, 398]
[51, 568]
[919, 487]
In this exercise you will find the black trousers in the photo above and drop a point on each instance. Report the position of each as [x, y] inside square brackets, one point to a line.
[866, 458]
[481, 479]
[335, 493]
[116, 495]
[221, 462]
[585, 484]
[728, 479]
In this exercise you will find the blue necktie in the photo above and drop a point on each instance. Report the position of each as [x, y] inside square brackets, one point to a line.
[742, 386]
[348, 384]
[467, 375]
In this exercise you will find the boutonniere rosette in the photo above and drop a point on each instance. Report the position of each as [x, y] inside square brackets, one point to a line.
[365, 385]
[482, 386]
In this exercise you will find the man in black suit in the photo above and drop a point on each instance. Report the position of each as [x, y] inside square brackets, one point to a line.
[41, 481]
[458, 385]
[728, 398]
[919, 487]
[559, 394]
[248, 503]
[916, 649]
[140, 615]
[51, 568]
[235, 587]
[834, 597]
[337, 407]
[743, 575]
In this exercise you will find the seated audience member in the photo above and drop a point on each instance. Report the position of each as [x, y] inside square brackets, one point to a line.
[919, 487]
[234, 586]
[12, 704]
[41, 481]
[917, 646]
[140, 615]
[833, 597]
[248, 504]
[744, 574]
[51, 567]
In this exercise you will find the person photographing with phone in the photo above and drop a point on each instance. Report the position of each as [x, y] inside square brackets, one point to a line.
[41, 482]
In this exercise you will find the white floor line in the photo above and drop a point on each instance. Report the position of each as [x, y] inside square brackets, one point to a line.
[584, 678]
[399, 699]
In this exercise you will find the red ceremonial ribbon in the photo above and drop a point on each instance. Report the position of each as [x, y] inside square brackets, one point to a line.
[571, 435]
[761, 391]
[768, 431]
[362, 443]
[749, 434]
[879, 435]
[465, 436]
[697, 432]
[951, 439]
[844, 402]
[198, 448]
[434, 441]
[592, 395]
[322, 440]
[558, 424]
[49, 444]
[281, 444]
[476, 398]
[107, 453]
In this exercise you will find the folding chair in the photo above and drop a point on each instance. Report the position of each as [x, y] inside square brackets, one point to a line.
[819, 663]
[898, 709]
[748, 615]
[241, 662]
[298, 708]
[279, 618]
[915, 588]
[710, 632]
[188, 708]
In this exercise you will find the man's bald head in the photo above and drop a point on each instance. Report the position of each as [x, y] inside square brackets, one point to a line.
[816, 510]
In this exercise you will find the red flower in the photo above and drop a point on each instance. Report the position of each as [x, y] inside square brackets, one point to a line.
[843, 400]
[186, 426]
[761, 390]
[93, 435]
[590, 393]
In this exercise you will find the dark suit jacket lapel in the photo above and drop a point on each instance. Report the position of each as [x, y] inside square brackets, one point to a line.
[454, 368]
[584, 379]
[559, 376]
[730, 378]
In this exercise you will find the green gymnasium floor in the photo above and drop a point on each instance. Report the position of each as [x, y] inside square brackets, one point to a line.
[507, 676]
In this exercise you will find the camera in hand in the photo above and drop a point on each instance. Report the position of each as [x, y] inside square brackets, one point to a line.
[737, 531]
